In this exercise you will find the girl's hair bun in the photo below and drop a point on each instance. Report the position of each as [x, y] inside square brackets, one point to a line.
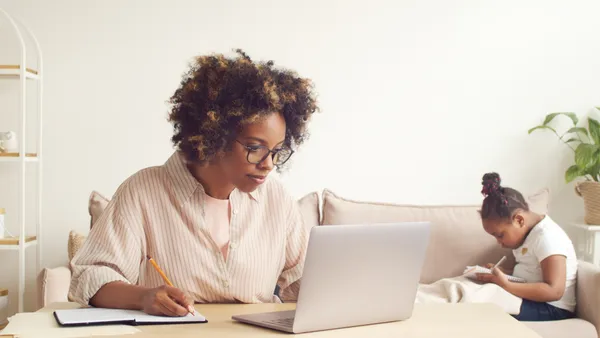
[491, 184]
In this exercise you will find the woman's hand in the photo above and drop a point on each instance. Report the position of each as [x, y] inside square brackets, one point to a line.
[497, 277]
[167, 301]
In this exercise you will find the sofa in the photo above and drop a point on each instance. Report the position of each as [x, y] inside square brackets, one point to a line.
[457, 240]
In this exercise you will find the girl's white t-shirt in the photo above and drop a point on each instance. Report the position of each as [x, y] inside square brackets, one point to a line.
[547, 239]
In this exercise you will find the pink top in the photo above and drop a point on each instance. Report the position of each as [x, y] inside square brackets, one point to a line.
[217, 217]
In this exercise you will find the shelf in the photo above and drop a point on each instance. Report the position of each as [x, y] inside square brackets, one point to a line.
[13, 71]
[14, 157]
[12, 243]
[587, 227]
[28, 77]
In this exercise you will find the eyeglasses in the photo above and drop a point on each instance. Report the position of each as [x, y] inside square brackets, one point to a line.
[258, 153]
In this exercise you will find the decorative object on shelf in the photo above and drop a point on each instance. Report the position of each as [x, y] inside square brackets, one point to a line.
[590, 192]
[8, 142]
[3, 308]
[585, 143]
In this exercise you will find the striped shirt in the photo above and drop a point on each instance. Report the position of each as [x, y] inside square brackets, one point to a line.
[160, 211]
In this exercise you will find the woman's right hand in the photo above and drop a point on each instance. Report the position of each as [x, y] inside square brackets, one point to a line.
[167, 301]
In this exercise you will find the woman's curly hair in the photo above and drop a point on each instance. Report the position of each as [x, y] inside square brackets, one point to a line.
[219, 95]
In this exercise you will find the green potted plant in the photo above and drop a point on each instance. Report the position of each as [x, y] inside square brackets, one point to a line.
[585, 144]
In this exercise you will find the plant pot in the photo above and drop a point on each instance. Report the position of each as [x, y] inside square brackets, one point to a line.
[590, 191]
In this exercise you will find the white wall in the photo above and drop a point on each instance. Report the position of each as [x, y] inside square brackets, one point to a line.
[418, 98]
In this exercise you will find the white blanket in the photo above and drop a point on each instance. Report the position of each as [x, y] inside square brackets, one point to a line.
[463, 290]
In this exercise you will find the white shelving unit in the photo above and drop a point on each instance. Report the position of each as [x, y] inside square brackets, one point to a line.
[21, 74]
[587, 241]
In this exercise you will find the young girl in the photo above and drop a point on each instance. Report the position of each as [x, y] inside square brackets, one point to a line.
[544, 254]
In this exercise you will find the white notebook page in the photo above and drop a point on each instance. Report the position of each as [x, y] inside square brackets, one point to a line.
[101, 315]
[472, 271]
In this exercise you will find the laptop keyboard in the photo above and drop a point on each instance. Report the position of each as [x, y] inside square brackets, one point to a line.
[285, 322]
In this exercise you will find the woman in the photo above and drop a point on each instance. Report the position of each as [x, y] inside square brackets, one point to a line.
[211, 219]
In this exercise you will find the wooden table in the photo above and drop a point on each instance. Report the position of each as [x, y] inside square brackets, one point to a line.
[428, 320]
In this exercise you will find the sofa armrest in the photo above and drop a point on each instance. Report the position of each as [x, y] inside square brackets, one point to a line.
[53, 285]
[588, 293]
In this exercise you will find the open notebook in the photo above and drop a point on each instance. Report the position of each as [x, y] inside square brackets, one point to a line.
[472, 271]
[101, 316]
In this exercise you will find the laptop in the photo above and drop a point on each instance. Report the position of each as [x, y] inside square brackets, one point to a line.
[354, 275]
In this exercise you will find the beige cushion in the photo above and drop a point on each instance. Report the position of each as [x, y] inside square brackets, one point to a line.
[457, 237]
[96, 205]
[538, 202]
[564, 328]
[588, 292]
[310, 209]
[53, 285]
[76, 241]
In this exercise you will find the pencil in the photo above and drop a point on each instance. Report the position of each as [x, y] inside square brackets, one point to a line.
[499, 262]
[166, 279]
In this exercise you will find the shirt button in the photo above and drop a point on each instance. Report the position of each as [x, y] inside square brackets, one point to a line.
[226, 284]
[233, 245]
[235, 211]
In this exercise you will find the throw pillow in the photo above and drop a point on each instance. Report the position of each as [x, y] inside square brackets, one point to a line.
[538, 202]
[76, 241]
[96, 205]
[310, 210]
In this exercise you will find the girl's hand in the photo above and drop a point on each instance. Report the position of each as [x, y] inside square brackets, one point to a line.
[497, 277]
[491, 265]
